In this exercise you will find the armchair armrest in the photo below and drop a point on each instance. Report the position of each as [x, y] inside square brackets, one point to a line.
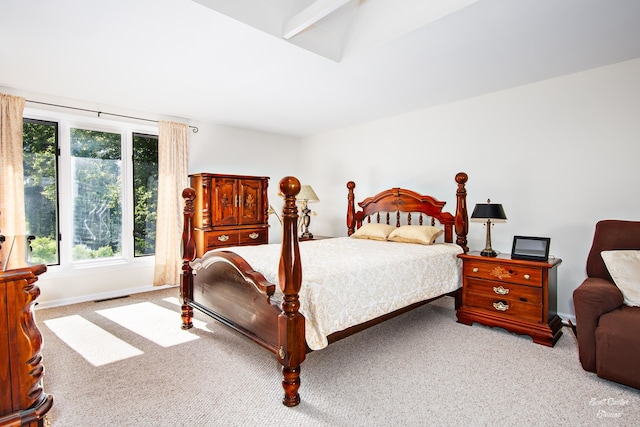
[593, 298]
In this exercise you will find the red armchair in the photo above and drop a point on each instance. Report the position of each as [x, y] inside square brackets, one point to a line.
[608, 331]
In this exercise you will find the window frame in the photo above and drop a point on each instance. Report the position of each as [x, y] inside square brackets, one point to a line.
[56, 126]
[126, 129]
[133, 196]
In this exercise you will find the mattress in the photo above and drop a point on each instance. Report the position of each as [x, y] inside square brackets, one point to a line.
[348, 281]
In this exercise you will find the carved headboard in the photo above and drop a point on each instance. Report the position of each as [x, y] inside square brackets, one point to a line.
[397, 205]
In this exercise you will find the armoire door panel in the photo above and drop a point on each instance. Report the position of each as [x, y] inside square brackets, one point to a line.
[250, 209]
[225, 201]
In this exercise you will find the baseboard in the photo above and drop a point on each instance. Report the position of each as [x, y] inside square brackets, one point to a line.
[100, 296]
[566, 317]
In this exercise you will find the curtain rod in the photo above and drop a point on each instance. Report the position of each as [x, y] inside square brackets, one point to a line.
[194, 129]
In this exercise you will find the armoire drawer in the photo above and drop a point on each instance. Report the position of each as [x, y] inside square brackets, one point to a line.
[255, 236]
[215, 239]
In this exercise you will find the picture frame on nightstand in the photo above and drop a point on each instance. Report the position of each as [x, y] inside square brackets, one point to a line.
[530, 248]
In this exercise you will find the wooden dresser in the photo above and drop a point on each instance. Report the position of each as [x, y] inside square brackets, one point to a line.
[230, 210]
[517, 295]
[23, 401]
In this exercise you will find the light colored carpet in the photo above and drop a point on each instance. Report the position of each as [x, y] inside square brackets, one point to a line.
[421, 368]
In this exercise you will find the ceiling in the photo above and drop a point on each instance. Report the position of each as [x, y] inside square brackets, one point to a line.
[343, 62]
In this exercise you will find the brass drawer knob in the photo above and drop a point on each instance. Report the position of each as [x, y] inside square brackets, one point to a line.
[476, 269]
[500, 306]
[223, 238]
[500, 290]
[254, 236]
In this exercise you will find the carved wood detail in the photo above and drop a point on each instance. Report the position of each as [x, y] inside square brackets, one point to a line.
[23, 401]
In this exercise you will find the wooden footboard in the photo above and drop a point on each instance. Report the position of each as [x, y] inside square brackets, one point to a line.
[227, 289]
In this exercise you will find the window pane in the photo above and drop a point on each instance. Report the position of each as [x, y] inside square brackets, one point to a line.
[145, 193]
[97, 191]
[40, 143]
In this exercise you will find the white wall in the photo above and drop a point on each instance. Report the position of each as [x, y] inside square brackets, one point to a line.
[559, 155]
[223, 149]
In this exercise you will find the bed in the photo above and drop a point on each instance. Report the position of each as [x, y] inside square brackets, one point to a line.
[348, 284]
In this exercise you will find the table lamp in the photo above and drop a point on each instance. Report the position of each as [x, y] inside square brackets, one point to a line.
[488, 211]
[306, 195]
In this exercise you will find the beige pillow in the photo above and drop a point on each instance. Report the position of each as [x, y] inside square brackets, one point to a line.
[373, 231]
[423, 234]
[624, 267]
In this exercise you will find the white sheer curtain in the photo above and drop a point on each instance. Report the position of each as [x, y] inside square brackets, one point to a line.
[173, 153]
[12, 216]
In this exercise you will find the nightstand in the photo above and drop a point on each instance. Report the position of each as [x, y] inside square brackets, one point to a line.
[517, 295]
[304, 239]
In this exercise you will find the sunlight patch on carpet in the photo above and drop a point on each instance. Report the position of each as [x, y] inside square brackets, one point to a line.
[96, 345]
[155, 323]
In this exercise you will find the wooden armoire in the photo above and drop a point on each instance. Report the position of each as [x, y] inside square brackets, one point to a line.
[23, 401]
[230, 210]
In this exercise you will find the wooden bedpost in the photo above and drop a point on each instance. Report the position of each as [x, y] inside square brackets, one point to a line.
[188, 255]
[462, 217]
[351, 209]
[291, 327]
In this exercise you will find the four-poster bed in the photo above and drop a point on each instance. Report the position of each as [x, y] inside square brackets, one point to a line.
[237, 286]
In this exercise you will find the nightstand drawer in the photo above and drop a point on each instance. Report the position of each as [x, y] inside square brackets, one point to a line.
[505, 306]
[530, 294]
[306, 239]
[509, 273]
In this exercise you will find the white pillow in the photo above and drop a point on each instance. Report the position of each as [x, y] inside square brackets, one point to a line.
[373, 231]
[423, 234]
[624, 267]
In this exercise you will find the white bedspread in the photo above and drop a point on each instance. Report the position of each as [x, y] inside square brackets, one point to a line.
[347, 281]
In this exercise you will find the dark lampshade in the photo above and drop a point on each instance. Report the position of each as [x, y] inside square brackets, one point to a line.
[488, 211]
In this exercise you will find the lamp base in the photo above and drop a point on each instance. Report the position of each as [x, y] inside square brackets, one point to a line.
[489, 252]
[306, 220]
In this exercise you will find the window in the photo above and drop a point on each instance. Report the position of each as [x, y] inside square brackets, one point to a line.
[100, 203]
[40, 164]
[145, 193]
[96, 159]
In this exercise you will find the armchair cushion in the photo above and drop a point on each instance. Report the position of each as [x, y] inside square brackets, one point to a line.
[593, 298]
[618, 345]
[607, 329]
[624, 267]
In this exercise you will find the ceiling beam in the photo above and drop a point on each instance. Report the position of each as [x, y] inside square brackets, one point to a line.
[310, 15]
